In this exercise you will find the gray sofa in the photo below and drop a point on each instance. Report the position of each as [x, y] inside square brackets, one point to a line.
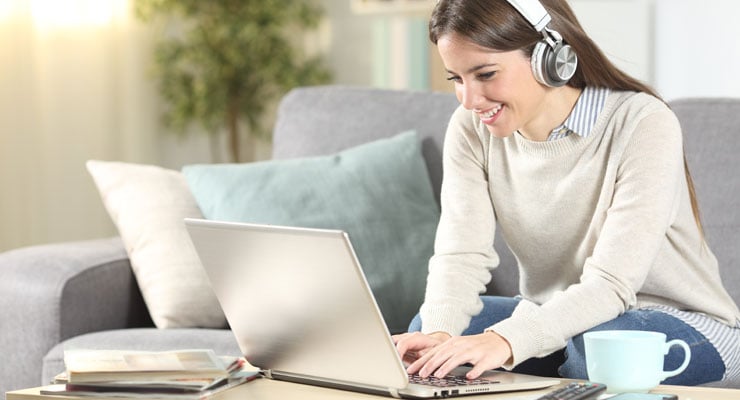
[83, 294]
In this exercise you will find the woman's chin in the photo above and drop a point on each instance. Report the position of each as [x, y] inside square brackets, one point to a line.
[498, 132]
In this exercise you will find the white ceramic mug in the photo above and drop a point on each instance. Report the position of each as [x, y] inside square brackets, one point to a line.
[630, 361]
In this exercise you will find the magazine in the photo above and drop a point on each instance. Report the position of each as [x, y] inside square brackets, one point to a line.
[180, 374]
[136, 392]
[187, 367]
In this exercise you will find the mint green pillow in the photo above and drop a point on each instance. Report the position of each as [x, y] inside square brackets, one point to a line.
[379, 193]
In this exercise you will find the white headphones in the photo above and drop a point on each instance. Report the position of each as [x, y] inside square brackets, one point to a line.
[553, 62]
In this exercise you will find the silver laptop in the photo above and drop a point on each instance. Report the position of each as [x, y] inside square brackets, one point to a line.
[302, 311]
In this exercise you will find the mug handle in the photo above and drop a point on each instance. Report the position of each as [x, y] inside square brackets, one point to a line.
[687, 357]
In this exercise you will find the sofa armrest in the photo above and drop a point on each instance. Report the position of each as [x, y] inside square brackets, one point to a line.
[49, 293]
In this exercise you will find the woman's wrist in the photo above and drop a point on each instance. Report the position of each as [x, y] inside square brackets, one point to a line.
[506, 343]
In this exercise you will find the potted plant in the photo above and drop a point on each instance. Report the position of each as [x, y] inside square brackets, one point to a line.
[222, 63]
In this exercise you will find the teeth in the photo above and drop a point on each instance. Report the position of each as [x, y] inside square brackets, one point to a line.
[491, 113]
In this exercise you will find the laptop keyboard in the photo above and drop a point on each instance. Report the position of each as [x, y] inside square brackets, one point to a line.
[446, 381]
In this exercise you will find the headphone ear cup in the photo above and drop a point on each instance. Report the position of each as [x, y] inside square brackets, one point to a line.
[563, 63]
[553, 66]
[538, 62]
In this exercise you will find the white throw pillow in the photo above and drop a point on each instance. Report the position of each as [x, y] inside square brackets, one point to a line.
[148, 204]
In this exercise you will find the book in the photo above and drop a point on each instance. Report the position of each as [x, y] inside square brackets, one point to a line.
[197, 368]
[134, 392]
[181, 374]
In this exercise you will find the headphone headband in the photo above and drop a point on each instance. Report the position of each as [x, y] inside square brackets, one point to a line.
[553, 62]
[533, 12]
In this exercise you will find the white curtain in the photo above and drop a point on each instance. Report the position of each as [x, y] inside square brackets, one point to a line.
[74, 85]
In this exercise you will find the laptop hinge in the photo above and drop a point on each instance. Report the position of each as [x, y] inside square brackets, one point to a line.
[267, 373]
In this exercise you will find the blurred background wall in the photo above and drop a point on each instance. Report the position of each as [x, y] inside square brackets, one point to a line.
[75, 85]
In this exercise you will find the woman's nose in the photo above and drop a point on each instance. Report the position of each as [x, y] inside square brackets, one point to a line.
[469, 95]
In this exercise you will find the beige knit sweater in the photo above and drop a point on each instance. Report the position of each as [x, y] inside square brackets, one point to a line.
[599, 225]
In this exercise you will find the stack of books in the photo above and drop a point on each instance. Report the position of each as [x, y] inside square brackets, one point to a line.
[181, 374]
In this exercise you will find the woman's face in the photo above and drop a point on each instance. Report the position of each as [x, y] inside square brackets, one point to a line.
[498, 86]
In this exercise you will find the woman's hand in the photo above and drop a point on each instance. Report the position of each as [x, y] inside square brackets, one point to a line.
[413, 345]
[484, 351]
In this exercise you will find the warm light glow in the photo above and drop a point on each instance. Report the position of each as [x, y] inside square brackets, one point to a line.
[6, 9]
[71, 13]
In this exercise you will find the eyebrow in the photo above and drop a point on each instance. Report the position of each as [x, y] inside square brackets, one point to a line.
[475, 68]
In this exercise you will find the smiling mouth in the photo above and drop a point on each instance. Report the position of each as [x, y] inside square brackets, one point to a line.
[488, 115]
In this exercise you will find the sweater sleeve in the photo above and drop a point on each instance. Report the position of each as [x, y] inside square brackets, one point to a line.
[463, 254]
[648, 180]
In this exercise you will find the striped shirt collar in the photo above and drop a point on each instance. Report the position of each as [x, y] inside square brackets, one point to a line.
[583, 117]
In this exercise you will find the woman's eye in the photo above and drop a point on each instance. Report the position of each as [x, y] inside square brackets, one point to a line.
[454, 78]
[486, 75]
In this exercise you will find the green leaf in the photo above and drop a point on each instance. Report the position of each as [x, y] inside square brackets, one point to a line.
[226, 59]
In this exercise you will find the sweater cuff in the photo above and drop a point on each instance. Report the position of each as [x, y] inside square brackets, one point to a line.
[522, 332]
[443, 318]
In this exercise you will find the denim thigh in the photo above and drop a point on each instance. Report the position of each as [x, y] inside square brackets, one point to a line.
[706, 365]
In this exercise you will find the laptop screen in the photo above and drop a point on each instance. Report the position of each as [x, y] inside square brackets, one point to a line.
[298, 302]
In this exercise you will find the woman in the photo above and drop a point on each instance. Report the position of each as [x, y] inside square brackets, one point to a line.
[585, 176]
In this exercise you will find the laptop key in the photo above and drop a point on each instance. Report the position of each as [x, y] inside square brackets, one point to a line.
[446, 381]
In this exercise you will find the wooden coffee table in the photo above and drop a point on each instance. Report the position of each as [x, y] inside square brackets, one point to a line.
[265, 389]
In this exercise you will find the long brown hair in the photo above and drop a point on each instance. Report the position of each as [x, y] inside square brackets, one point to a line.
[495, 24]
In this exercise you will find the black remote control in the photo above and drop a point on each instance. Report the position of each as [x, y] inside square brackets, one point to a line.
[575, 391]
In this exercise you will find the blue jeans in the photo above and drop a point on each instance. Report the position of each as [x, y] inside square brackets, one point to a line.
[706, 365]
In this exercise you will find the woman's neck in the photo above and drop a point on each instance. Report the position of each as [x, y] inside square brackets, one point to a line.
[556, 106]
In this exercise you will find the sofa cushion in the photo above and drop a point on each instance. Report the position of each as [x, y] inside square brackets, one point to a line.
[221, 341]
[148, 204]
[378, 192]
